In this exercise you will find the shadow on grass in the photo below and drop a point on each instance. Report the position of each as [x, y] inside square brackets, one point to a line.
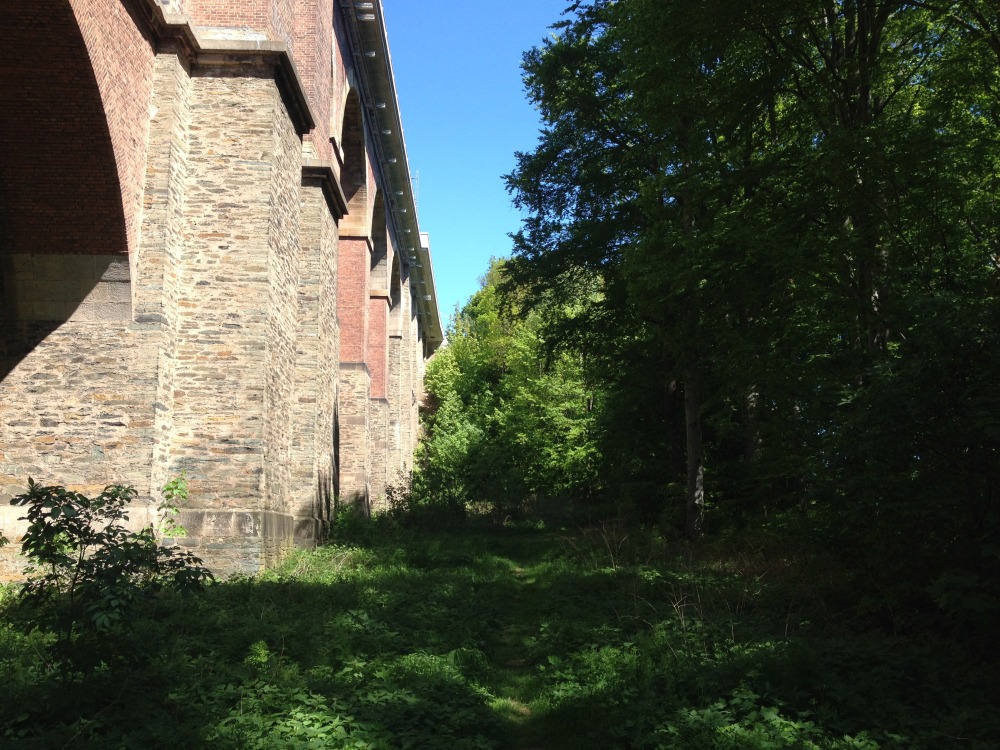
[488, 640]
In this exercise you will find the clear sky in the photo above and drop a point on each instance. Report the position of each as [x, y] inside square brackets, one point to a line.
[464, 112]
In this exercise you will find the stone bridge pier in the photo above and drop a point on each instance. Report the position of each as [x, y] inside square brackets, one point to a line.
[210, 263]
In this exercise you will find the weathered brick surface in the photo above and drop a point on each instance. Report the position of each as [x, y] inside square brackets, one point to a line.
[377, 355]
[58, 175]
[266, 17]
[339, 87]
[122, 56]
[352, 298]
[313, 52]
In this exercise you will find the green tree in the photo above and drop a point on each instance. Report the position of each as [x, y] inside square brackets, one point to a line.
[511, 420]
[633, 183]
[792, 205]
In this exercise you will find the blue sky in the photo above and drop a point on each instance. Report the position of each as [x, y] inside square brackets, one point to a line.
[464, 112]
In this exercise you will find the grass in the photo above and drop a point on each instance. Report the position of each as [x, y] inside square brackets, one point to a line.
[607, 637]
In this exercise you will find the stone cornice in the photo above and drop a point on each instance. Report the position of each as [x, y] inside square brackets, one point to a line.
[174, 31]
[356, 366]
[322, 171]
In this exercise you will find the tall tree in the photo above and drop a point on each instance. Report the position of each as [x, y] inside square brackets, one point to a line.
[633, 183]
[781, 199]
[511, 419]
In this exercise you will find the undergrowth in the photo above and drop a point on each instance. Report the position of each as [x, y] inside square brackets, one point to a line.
[605, 637]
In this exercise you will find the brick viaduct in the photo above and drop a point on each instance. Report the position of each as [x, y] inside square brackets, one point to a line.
[210, 262]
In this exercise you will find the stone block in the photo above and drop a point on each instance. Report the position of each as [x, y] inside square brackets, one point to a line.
[112, 268]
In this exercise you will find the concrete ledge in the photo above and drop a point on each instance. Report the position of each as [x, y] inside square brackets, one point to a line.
[358, 238]
[239, 542]
[355, 367]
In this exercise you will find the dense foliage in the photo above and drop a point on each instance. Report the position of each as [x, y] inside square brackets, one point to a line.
[772, 227]
[754, 303]
[87, 571]
[509, 424]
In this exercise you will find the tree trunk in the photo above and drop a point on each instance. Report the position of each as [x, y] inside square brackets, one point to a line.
[751, 425]
[695, 457]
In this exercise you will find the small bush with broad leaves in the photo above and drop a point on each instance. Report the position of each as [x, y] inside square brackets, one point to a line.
[86, 570]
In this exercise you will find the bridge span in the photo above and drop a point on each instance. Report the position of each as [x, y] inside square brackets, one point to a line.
[210, 263]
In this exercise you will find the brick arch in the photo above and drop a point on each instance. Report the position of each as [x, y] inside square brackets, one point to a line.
[354, 174]
[63, 222]
[59, 179]
[379, 279]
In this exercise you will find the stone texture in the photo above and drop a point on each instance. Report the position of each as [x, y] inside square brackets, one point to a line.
[180, 292]
[313, 459]
[355, 459]
[378, 444]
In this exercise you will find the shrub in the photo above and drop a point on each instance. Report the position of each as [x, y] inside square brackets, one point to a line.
[86, 570]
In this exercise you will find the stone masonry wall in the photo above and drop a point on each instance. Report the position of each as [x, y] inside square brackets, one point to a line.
[378, 429]
[203, 308]
[414, 357]
[283, 260]
[377, 350]
[355, 463]
[395, 461]
[158, 288]
[317, 358]
[78, 409]
[236, 318]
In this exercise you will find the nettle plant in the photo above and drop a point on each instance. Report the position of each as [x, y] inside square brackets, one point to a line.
[86, 570]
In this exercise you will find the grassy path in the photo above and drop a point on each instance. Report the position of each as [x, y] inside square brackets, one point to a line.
[499, 640]
[517, 682]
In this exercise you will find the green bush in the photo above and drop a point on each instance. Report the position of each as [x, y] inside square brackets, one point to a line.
[86, 571]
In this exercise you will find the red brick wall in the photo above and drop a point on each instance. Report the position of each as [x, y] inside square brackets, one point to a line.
[253, 14]
[313, 52]
[122, 57]
[275, 18]
[59, 180]
[352, 297]
[378, 346]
